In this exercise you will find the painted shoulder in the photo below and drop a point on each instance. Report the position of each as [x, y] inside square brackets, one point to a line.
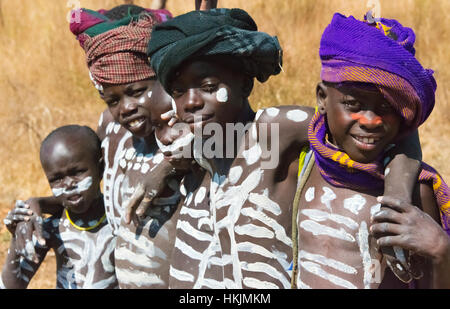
[293, 114]
[103, 121]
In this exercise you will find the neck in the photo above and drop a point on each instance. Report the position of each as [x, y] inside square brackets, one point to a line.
[95, 211]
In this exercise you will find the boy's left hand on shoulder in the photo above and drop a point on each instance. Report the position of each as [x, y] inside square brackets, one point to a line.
[405, 225]
[152, 185]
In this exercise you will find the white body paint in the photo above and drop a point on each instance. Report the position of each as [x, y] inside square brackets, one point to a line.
[297, 115]
[80, 187]
[355, 203]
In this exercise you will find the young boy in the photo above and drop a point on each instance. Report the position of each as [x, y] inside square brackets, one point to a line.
[364, 105]
[234, 228]
[79, 235]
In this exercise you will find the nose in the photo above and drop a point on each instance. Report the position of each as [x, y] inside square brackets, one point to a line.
[69, 182]
[369, 119]
[194, 100]
[128, 106]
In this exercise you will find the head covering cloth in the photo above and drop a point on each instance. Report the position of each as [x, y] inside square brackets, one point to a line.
[116, 49]
[381, 54]
[216, 32]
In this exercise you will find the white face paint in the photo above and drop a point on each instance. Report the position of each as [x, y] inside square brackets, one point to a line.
[80, 187]
[142, 101]
[149, 94]
[297, 115]
[222, 95]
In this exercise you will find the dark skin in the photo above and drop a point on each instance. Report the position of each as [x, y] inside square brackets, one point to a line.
[66, 161]
[411, 226]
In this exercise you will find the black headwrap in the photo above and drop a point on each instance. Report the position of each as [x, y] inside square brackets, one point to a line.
[228, 32]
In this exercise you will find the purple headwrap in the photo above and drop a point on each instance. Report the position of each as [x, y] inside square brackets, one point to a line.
[381, 54]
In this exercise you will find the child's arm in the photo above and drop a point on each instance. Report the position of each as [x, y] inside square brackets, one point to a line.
[205, 4]
[23, 261]
[402, 171]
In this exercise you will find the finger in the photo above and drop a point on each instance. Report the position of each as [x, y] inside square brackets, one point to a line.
[394, 240]
[172, 122]
[22, 211]
[394, 203]
[21, 218]
[387, 214]
[38, 224]
[133, 203]
[386, 228]
[143, 206]
[168, 115]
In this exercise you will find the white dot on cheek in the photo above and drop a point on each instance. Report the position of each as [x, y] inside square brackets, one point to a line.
[222, 95]
[149, 94]
[141, 100]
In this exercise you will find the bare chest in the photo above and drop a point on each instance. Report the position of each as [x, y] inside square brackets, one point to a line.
[336, 249]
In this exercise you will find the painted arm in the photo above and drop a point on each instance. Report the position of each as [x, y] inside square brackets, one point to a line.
[402, 171]
[19, 269]
[204, 5]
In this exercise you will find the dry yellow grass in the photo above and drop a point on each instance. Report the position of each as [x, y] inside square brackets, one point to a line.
[44, 81]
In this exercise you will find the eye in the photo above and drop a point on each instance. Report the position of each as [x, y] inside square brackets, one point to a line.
[351, 104]
[177, 92]
[386, 108]
[55, 181]
[209, 87]
[138, 92]
[111, 102]
[79, 172]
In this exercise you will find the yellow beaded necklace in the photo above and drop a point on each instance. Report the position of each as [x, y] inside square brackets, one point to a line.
[85, 228]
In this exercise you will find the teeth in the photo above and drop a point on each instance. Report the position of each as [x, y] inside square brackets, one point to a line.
[135, 123]
[367, 140]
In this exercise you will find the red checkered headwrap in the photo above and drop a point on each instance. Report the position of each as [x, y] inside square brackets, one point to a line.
[119, 56]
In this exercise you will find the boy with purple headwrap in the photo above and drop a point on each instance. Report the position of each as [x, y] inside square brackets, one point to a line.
[373, 93]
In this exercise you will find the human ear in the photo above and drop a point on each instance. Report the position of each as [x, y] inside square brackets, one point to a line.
[101, 166]
[322, 96]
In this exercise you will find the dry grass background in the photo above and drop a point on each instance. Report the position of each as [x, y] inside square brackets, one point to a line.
[44, 81]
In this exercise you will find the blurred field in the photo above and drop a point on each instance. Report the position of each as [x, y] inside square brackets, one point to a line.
[44, 81]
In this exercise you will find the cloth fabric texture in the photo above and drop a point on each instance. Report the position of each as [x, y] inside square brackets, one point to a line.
[382, 54]
[116, 49]
[215, 32]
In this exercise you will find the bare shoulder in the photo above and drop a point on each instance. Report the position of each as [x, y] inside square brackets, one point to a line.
[279, 114]
[290, 121]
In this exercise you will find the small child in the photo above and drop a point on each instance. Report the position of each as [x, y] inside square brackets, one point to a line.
[80, 235]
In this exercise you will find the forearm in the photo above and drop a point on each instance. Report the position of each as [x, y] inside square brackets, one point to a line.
[205, 4]
[45, 205]
[12, 276]
[402, 171]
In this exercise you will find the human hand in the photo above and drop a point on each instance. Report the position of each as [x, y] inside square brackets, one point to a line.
[20, 212]
[153, 184]
[403, 225]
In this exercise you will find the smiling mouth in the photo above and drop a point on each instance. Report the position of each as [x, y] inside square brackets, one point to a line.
[74, 199]
[134, 124]
[366, 142]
